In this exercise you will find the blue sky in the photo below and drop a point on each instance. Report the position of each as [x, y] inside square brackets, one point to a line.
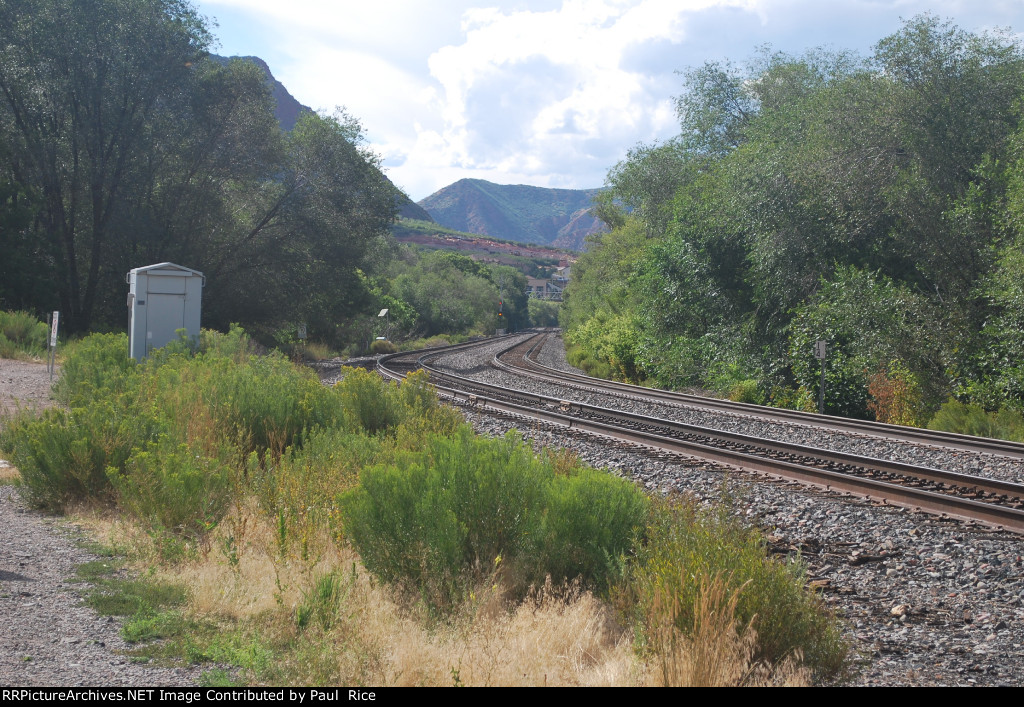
[543, 92]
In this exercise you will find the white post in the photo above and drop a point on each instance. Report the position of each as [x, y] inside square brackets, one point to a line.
[51, 359]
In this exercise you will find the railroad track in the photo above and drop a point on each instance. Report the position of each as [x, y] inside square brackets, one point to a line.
[999, 504]
[523, 361]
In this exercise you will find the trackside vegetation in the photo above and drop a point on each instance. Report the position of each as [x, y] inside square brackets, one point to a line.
[22, 335]
[871, 202]
[362, 534]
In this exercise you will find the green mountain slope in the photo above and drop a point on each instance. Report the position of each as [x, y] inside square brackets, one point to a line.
[525, 214]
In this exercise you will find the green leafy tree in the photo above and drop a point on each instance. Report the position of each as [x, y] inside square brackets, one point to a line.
[448, 295]
[80, 84]
[800, 185]
[868, 322]
[125, 144]
[512, 285]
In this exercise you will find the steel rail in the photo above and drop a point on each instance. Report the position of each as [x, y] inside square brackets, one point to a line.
[1003, 517]
[816, 455]
[1000, 517]
[901, 433]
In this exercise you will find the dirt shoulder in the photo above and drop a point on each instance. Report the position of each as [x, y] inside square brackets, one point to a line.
[23, 384]
[48, 636]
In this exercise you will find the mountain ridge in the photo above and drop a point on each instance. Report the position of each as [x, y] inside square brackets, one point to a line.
[516, 212]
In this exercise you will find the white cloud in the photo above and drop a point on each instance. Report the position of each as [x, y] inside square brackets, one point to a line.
[545, 92]
[562, 70]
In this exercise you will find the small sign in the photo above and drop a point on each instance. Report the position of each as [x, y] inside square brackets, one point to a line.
[302, 332]
[819, 350]
[383, 312]
[51, 359]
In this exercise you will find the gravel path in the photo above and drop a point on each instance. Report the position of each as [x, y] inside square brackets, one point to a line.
[23, 384]
[48, 638]
[926, 601]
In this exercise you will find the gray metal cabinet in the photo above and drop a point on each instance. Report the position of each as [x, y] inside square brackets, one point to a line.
[162, 299]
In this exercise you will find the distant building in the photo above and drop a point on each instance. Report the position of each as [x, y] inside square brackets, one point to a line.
[549, 288]
[560, 279]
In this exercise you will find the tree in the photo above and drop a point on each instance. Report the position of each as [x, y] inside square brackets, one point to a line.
[512, 285]
[645, 182]
[79, 85]
[951, 97]
[800, 186]
[449, 295]
[868, 322]
[128, 145]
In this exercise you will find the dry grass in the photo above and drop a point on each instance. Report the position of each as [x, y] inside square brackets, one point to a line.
[8, 474]
[558, 637]
[554, 639]
[719, 653]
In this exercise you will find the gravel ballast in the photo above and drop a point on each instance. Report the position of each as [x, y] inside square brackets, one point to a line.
[468, 364]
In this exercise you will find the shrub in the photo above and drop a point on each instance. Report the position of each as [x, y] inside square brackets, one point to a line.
[972, 419]
[382, 347]
[687, 548]
[609, 342]
[746, 391]
[314, 351]
[543, 313]
[262, 404]
[234, 345]
[368, 401]
[578, 357]
[895, 395]
[430, 342]
[793, 398]
[682, 361]
[219, 398]
[65, 455]
[441, 520]
[268, 402]
[95, 367]
[174, 488]
[589, 522]
[21, 334]
[301, 489]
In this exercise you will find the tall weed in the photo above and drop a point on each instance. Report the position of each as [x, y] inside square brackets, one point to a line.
[300, 491]
[687, 548]
[717, 652]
